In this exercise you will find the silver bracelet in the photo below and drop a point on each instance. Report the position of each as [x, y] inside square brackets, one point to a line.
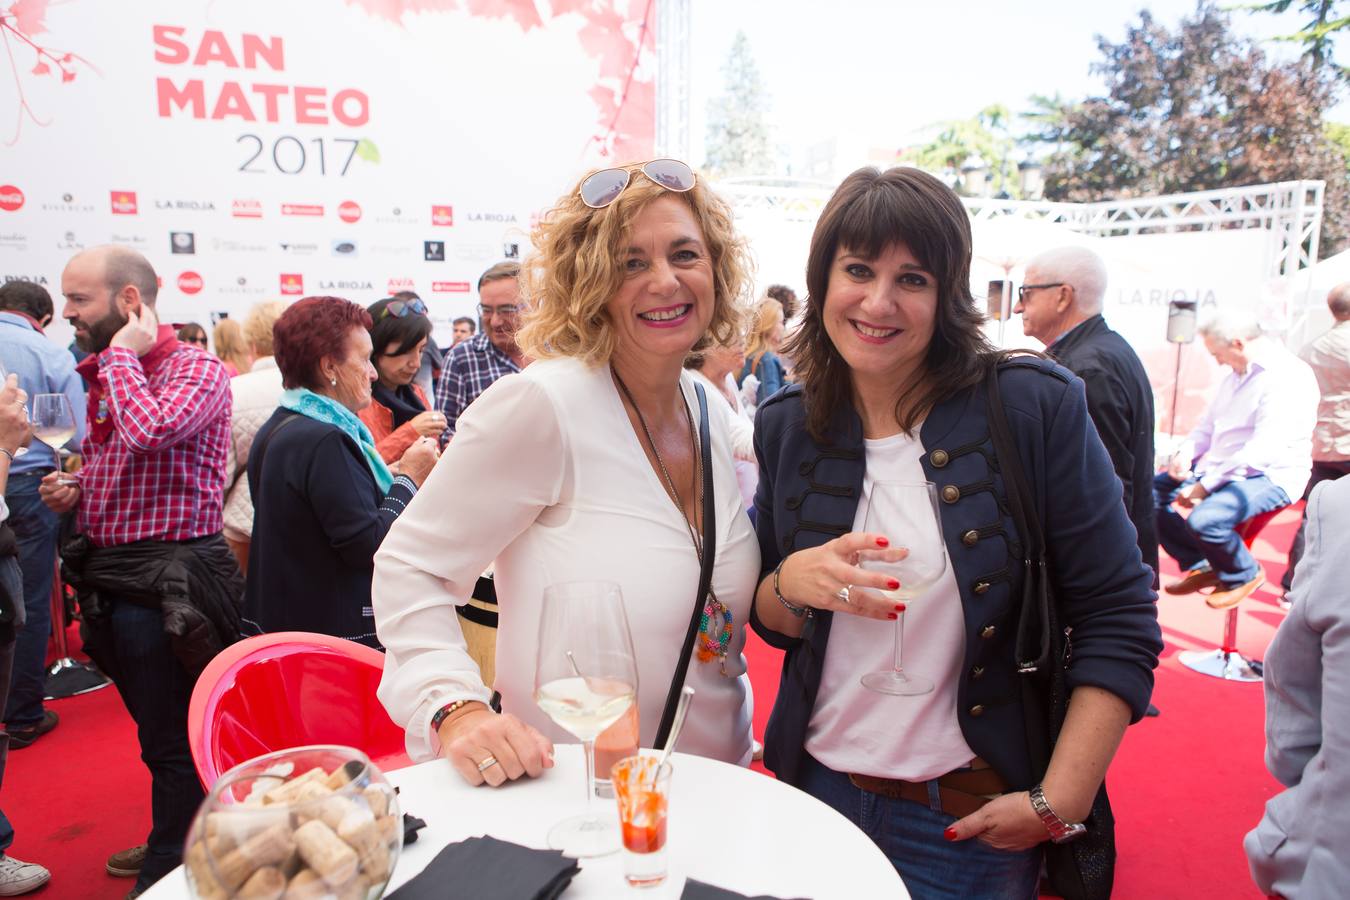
[801, 612]
[7, 453]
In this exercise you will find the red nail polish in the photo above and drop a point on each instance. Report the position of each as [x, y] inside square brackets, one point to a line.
[891, 615]
[882, 542]
[950, 834]
[893, 584]
[899, 607]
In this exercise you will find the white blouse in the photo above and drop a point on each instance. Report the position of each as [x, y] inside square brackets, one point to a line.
[546, 477]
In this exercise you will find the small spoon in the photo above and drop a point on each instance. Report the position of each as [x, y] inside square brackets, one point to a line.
[681, 711]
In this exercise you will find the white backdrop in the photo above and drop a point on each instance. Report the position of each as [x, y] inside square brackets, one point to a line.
[262, 150]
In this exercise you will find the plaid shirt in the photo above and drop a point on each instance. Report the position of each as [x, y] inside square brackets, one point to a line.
[154, 454]
[474, 365]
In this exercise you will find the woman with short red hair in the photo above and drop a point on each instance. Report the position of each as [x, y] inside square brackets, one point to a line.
[323, 498]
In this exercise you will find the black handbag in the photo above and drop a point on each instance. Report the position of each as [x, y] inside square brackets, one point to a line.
[704, 575]
[1083, 869]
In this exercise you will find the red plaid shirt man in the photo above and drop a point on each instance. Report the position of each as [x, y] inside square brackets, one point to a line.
[154, 454]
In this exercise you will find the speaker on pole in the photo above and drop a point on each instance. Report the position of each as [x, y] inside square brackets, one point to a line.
[1180, 330]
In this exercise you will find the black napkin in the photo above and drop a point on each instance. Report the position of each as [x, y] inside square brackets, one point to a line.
[697, 890]
[484, 868]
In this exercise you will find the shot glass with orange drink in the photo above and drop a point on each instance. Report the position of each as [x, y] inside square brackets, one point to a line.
[616, 742]
[643, 794]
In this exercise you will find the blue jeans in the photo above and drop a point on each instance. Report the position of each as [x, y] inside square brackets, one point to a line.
[36, 527]
[156, 689]
[910, 835]
[13, 585]
[1208, 534]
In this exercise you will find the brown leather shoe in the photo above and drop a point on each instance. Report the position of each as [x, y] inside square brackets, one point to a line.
[1234, 596]
[1195, 580]
[126, 863]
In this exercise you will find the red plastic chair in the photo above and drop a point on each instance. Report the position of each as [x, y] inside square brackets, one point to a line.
[290, 689]
[1225, 661]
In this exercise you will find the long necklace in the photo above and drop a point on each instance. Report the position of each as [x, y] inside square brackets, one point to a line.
[716, 622]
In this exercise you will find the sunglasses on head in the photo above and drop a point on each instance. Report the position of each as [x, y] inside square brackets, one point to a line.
[400, 308]
[604, 187]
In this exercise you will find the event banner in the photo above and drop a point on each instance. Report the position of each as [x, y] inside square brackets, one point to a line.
[261, 150]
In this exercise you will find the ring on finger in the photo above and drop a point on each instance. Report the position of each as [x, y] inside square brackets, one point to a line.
[842, 593]
[487, 763]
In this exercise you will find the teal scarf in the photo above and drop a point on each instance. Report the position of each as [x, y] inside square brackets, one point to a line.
[322, 409]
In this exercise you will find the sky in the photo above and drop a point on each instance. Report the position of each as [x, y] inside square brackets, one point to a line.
[877, 72]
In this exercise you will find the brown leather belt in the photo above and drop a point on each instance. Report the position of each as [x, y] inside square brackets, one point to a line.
[960, 792]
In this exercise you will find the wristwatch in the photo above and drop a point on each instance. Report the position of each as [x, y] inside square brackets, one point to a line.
[1061, 832]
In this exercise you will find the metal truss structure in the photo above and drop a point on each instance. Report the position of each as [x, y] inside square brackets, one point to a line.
[672, 78]
[1290, 210]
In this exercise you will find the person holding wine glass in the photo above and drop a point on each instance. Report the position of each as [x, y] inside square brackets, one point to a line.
[586, 466]
[926, 746]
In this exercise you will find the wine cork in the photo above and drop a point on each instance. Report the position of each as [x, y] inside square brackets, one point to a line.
[326, 853]
[265, 884]
[356, 889]
[287, 792]
[391, 829]
[306, 885]
[378, 800]
[370, 845]
[268, 848]
[336, 810]
[202, 876]
[345, 773]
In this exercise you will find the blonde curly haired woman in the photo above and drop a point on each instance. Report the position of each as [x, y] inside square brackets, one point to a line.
[583, 466]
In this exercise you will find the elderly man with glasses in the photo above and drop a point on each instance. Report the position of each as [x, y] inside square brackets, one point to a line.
[476, 363]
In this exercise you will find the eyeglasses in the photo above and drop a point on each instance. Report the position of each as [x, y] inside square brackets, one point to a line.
[400, 308]
[1022, 291]
[605, 186]
[488, 312]
[200, 341]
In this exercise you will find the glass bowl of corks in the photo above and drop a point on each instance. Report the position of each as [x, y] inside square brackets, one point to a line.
[308, 822]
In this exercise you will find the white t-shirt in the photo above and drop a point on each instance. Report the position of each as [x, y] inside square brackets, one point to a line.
[857, 730]
[547, 476]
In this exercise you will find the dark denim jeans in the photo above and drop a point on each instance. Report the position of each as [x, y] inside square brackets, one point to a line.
[910, 835]
[156, 689]
[36, 527]
[13, 584]
[1208, 533]
[1321, 471]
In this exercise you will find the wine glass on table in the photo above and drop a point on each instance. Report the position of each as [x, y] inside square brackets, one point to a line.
[585, 679]
[53, 424]
[907, 513]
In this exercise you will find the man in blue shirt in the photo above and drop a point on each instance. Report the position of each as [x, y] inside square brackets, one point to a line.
[43, 367]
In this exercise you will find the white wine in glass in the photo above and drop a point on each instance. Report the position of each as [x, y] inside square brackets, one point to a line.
[54, 425]
[907, 513]
[585, 679]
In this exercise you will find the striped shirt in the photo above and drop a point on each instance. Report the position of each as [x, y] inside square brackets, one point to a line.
[154, 452]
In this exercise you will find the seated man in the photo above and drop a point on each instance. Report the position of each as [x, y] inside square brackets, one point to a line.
[1250, 454]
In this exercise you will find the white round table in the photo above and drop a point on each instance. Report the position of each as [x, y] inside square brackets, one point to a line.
[729, 826]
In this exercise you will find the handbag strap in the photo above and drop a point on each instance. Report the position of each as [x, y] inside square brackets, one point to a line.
[704, 575]
[1033, 646]
[262, 451]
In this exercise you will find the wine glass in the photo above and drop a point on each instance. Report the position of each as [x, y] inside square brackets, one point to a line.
[54, 425]
[4, 376]
[908, 514]
[585, 679]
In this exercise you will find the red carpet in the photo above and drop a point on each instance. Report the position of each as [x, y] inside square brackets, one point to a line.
[1186, 786]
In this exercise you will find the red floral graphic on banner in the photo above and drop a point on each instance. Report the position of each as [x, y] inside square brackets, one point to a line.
[627, 107]
[20, 26]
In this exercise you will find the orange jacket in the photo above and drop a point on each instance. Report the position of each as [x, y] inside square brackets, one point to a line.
[391, 442]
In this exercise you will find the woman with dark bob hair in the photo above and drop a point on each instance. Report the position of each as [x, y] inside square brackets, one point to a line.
[585, 466]
[399, 413]
[892, 363]
[323, 499]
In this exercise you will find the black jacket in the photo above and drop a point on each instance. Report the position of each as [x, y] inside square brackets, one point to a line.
[808, 494]
[1120, 402]
[318, 518]
[195, 584]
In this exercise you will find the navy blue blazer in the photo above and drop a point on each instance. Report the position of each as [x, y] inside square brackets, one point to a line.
[808, 494]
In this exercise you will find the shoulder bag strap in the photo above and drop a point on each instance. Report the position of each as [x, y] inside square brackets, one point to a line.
[704, 575]
[262, 451]
[1033, 647]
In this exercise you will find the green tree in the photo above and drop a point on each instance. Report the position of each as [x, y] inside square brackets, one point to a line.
[986, 136]
[738, 140]
[1196, 109]
[1315, 36]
